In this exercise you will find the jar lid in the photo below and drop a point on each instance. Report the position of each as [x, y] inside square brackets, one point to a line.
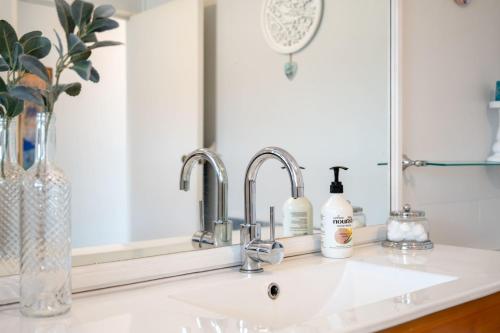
[406, 212]
[357, 209]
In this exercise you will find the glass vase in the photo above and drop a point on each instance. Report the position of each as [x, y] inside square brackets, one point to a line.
[45, 231]
[10, 198]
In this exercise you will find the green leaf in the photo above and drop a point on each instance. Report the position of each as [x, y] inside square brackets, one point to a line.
[18, 50]
[8, 38]
[81, 56]
[81, 12]
[13, 106]
[26, 94]
[82, 68]
[4, 104]
[76, 11]
[30, 35]
[59, 47]
[38, 47]
[104, 11]
[34, 66]
[71, 89]
[16, 109]
[3, 86]
[64, 15]
[90, 38]
[94, 75]
[45, 97]
[104, 43]
[4, 66]
[59, 51]
[88, 8]
[75, 45]
[101, 25]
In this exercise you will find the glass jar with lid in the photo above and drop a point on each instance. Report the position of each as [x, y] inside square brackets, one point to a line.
[358, 218]
[408, 229]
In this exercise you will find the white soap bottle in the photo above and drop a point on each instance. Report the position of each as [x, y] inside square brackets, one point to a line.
[297, 216]
[336, 222]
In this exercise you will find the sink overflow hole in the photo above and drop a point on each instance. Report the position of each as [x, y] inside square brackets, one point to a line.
[273, 290]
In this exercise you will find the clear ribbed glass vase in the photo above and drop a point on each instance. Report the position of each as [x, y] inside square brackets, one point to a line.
[45, 232]
[10, 197]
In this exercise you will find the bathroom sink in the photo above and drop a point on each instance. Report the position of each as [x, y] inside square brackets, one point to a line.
[307, 291]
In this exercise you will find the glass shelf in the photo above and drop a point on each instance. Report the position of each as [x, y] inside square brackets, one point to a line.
[455, 163]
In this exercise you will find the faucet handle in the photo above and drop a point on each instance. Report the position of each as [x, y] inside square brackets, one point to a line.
[268, 251]
[201, 212]
[271, 252]
[272, 228]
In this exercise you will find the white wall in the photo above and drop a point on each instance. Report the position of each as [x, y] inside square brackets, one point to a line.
[451, 62]
[91, 136]
[335, 111]
[8, 10]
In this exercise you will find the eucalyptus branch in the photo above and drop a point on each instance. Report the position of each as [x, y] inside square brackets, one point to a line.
[81, 22]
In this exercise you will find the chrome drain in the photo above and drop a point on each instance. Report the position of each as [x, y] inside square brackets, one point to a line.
[273, 290]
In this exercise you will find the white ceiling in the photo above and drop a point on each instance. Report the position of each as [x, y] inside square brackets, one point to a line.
[124, 8]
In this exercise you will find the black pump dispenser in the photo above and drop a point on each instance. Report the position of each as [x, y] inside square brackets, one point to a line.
[336, 186]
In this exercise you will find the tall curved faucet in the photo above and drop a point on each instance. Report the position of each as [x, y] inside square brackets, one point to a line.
[254, 250]
[222, 230]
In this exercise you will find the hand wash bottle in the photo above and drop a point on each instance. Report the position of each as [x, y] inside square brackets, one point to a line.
[297, 216]
[336, 222]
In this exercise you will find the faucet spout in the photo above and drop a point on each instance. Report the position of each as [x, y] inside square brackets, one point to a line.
[218, 233]
[290, 164]
[220, 170]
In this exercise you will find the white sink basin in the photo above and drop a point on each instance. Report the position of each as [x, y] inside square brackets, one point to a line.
[307, 291]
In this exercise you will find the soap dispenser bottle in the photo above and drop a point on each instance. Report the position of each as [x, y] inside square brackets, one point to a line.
[336, 221]
[297, 216]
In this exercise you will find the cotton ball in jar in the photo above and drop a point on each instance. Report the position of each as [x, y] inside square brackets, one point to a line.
[418, 230]
[394, 232]
[393, 224]
[404, 227]
[408, 231]
[422, 237]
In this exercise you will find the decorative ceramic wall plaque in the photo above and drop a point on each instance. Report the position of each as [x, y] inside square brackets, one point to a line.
[290, 25]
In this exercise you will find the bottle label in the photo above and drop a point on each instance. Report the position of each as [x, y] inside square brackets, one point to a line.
[298, 225]
[336, 231]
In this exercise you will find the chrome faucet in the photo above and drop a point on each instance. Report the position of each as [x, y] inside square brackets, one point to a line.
[222, 226]
[254, 250]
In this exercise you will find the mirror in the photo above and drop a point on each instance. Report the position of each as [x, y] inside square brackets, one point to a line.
[195, 74]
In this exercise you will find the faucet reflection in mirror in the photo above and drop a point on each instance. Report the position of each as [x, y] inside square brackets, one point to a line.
[254, 250]
[45, 218]
[222, 229]
[10, 196]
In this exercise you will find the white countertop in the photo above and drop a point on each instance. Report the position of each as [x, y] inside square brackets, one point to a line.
[149, 307]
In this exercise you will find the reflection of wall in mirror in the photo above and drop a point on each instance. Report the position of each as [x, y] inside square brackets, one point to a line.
[165, 117]
[334, 112]
[91, 131]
